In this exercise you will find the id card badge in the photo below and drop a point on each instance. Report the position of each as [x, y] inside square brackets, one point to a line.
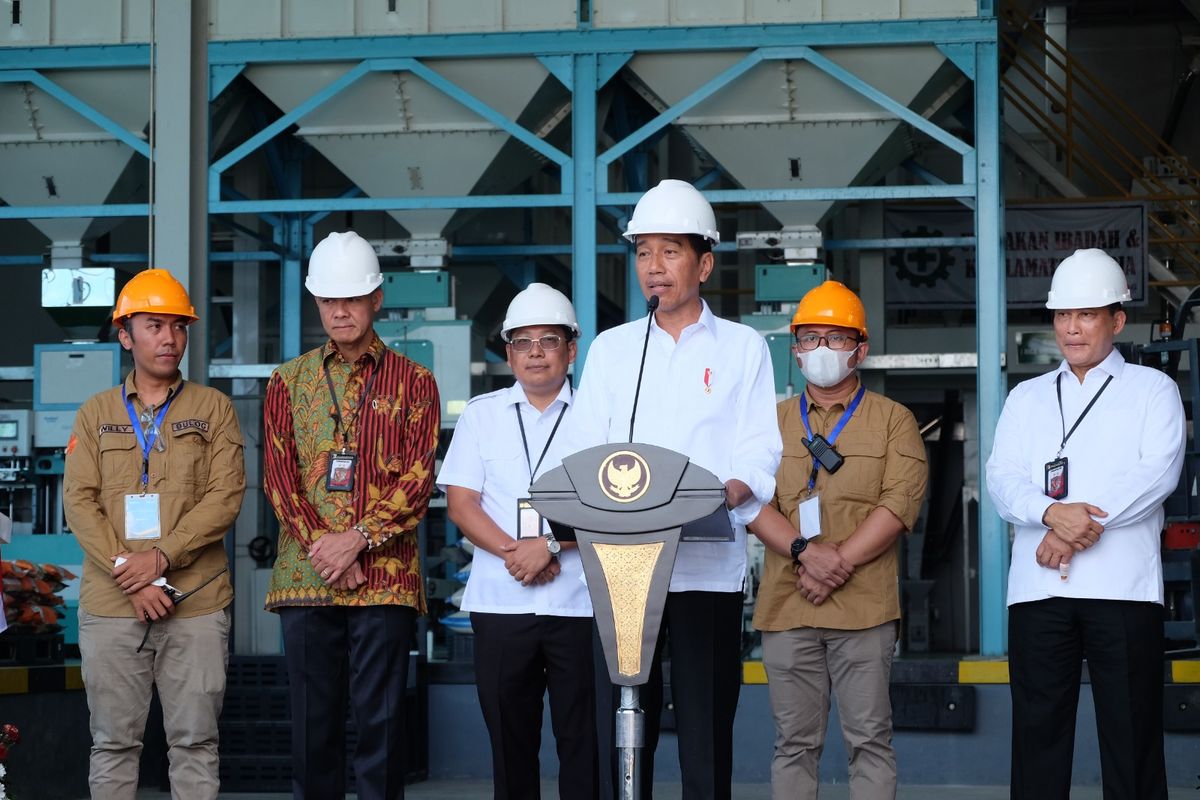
[340, 477]
[810, 517]
[141, 517]
[1056, 479]
[529, 521]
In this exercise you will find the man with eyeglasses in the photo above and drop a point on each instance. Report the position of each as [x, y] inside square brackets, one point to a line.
[530, 610]
[851, 482]
[350, 430]
[708, 392]
[154, 479]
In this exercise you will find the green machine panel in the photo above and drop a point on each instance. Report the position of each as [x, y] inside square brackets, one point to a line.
[418, 350]
[416, 289]
[786, 283]
[784, 364]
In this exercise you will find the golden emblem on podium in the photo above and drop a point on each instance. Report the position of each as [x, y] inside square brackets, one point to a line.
[624, 476]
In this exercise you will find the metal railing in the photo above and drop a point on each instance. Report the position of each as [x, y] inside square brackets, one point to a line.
[1100, 143]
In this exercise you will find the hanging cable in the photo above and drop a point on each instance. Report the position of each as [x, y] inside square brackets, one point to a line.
[153, 125]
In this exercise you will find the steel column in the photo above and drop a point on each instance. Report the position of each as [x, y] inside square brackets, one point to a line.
[991, 338]
[583, 209]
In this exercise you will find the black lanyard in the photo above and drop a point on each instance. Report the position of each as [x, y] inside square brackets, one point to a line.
[521, 423]
[1067, 433]
[337, 407]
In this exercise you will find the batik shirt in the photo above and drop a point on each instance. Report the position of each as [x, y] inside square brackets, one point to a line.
[394, 431]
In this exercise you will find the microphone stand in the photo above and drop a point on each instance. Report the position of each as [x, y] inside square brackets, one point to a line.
[651, 306]
[630, 725]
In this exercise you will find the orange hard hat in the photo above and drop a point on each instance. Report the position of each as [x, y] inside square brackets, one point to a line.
[153, 290]
[831, 303]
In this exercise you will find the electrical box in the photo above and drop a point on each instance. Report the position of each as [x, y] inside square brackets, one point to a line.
[79, 286]
[416, 289]
[16, 438]
[786, 283]
[65, 375]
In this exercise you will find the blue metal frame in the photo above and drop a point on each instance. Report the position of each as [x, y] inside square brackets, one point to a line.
[583, 60]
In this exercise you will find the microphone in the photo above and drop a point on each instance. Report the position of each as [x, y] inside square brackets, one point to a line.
[651, 305]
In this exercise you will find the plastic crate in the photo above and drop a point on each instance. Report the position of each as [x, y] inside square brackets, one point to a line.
[30, 649]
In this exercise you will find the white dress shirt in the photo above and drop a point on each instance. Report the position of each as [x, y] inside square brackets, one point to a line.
[1124, 458]
[711, 396]
[487, 455]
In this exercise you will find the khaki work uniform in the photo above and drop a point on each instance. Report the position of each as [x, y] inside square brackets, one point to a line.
[199, 479]
[847, 640]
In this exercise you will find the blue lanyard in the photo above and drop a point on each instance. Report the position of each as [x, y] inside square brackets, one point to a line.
[841, 423]
[146, 443]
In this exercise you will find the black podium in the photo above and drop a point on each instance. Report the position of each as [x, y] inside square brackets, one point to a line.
[628, 506]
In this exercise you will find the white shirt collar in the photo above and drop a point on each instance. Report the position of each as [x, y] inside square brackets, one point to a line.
[707, 319]
[1113, 364]
[515, 394]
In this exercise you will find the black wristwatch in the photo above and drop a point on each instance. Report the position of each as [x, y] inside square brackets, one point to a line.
[798, 545]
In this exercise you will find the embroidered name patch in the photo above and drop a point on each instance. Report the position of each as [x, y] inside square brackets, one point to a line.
[111, 428]
[186, 424]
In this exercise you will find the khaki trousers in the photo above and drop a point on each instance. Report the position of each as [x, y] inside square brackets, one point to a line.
[801, 665]
[186, 659]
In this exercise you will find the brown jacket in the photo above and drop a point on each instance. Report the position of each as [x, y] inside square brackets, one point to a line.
[200, 479]
[884, 467]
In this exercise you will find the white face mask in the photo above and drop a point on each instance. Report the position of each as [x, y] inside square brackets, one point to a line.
[824, 367]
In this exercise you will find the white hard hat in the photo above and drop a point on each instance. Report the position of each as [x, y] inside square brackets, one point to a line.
[538, 304]
[343, 265]
[673, 207]
[1088, 279]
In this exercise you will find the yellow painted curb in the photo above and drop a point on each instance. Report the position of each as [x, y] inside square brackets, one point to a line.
[983, 672]
[14, 680]
[74, 678]
[753, 672]
[1185, 671]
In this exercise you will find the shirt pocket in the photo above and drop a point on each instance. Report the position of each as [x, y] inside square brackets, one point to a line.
[189, 457]
[865, 457]
[120, 463]
[504, 467]
[794, 469]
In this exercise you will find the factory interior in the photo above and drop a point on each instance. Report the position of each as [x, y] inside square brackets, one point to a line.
[939, 157]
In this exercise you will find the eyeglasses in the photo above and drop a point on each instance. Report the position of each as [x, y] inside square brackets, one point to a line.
[836, 341]
[547, 343]
[150, 429]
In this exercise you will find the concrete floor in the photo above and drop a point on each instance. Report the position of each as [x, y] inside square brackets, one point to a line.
[481, 790]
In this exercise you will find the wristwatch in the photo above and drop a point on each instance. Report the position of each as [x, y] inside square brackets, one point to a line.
[798, 545]
[552, 544]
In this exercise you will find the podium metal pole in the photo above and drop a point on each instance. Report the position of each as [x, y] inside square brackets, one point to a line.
[631, 738]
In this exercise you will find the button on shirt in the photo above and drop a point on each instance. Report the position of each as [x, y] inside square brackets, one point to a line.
[711, 396]
[1125, 458]
[487, 456]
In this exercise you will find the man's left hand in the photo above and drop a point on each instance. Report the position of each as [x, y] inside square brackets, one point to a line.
[810, 588]
[526, 558]
[333, 553]
[736, 493]
[139, 570]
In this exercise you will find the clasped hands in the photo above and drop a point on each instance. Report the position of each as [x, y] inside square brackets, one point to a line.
[334, 557]
[136, 576]
[821, 572]
[1072, 528]
[529, 561]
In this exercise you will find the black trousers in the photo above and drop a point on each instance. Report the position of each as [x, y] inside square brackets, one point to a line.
[362, 652]
[1123, 644]
[703, 632]
[518, 657]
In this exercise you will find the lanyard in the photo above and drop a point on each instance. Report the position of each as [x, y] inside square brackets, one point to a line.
[841, 423]
[146, 440]
[1067, 433]
[337, 407]
[521, 423]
